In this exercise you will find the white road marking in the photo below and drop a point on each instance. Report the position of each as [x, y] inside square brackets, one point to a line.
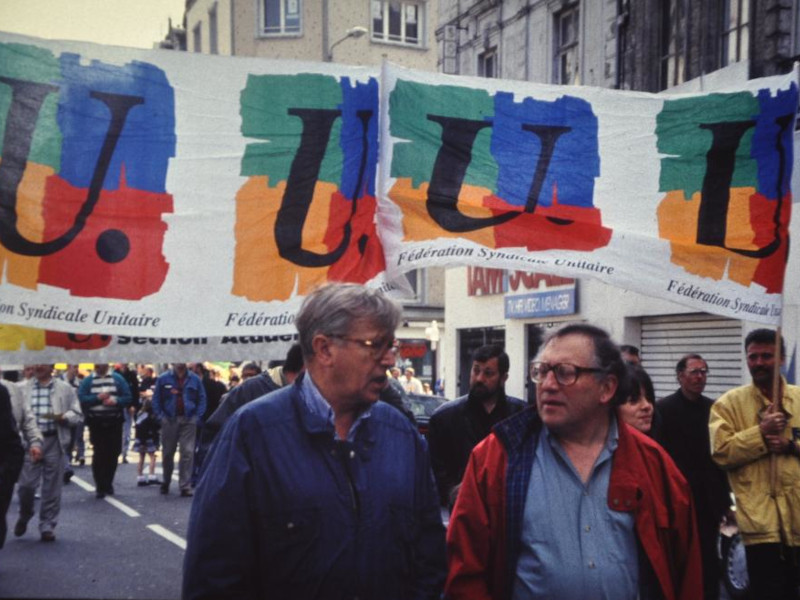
[112, 501]
[123, 507]
[157, 529]
[168, 535]
[84, 484]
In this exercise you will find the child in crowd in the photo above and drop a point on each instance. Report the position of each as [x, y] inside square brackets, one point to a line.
[146, 442]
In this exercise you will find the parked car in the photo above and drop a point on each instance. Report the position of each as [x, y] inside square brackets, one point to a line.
[423, 406]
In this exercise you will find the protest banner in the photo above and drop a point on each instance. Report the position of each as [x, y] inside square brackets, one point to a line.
[138, 200]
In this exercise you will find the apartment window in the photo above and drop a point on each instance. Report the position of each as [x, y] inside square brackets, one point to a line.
[673, 43]
[487, 63]
[281, 17]
[735, 31]
[213, 48]
[565, 55]
[398, 21]
[197, 37]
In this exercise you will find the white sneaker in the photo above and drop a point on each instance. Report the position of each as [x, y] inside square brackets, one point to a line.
[141, 480]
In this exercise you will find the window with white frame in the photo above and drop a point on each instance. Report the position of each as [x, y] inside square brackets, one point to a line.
[213, 47]
[197, 38]
[735, 31]
[281, 17]
[398, 21]
[566, 66]
[487, 63]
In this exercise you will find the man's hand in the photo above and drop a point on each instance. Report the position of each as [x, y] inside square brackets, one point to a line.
[773, 422]
[777, 444]
[108, 400]
[36, 453]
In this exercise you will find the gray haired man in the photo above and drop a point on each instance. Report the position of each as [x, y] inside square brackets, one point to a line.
[318, 490]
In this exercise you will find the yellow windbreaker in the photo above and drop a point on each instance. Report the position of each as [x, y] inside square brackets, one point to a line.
[737, 447]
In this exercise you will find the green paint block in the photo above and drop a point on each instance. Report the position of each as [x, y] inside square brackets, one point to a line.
[686, 144]
[265, 103]
[416, 156]
[29, 63]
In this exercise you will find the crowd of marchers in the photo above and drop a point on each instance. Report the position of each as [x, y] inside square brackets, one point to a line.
[55, 421]
[316, 483]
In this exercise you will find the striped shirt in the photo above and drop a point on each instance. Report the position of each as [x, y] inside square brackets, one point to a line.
[42, 406]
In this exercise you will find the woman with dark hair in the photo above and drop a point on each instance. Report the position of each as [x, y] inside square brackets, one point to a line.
[638, 410]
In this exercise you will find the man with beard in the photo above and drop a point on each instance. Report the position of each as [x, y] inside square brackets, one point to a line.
[458, 426]
[317, 490]
[747, 430]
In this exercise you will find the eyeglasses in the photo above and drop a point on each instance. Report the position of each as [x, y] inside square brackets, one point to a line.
[377, 347]
[565, 373]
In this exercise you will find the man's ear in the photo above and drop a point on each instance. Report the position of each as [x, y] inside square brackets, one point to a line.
[323, 349]
[608, 387]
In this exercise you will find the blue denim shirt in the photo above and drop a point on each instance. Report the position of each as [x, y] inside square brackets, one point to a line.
[284, 510]
[194, 396]
[572, 545]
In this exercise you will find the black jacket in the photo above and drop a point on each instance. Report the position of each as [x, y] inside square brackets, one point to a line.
[455, 429]
[684, 435]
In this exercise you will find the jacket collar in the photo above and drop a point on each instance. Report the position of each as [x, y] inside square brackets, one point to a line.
[316, 424]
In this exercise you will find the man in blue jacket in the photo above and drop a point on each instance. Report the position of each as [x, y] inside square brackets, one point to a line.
[318, 490]
[179, 401]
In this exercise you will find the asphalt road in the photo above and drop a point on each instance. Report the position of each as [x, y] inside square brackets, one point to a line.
[130, 545]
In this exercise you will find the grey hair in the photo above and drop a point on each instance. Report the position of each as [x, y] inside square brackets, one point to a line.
[333, 308]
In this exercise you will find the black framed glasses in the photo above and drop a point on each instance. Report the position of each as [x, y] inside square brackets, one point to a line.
[565, 373]
[377, 347]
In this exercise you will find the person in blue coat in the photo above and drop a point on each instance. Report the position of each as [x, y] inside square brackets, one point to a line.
[179, 403]
[318, 490]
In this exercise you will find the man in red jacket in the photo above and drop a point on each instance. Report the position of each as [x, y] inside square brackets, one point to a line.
[569, 502]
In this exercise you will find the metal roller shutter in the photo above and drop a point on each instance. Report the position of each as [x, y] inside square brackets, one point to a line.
[666, 339]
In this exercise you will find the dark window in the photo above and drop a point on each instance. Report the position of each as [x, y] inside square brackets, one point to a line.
[735, 31]
[673, 43]
[282, 17]
[487, 63]
[212, 31]
[566, 67]
[397, 21]
[197, 38]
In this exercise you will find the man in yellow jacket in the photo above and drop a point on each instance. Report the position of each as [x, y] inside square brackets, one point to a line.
[747, 428]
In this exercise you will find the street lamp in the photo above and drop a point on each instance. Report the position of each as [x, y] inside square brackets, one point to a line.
[353, 32]
[432, 333]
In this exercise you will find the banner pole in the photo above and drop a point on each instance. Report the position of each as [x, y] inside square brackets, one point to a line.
[777, 405]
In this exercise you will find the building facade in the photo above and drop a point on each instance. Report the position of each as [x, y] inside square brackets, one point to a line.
[646, 45]
[355, 32]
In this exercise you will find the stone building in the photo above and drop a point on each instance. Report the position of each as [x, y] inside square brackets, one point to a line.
[645, 45]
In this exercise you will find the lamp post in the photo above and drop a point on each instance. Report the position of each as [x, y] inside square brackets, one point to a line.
[353, 32]
[432, 333]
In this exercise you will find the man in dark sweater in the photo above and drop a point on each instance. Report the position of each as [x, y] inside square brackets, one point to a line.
[458, 426]
[684, 435]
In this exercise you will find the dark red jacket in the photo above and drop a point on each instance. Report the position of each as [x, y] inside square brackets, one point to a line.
[484, 535]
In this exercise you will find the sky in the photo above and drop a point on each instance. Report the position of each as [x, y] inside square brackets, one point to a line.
[133, 23]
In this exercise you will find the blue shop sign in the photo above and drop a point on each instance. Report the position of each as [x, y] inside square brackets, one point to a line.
[541, 304]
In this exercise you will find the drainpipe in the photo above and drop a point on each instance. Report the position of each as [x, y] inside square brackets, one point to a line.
[233, 27]
[325, 32]
[527, 40]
